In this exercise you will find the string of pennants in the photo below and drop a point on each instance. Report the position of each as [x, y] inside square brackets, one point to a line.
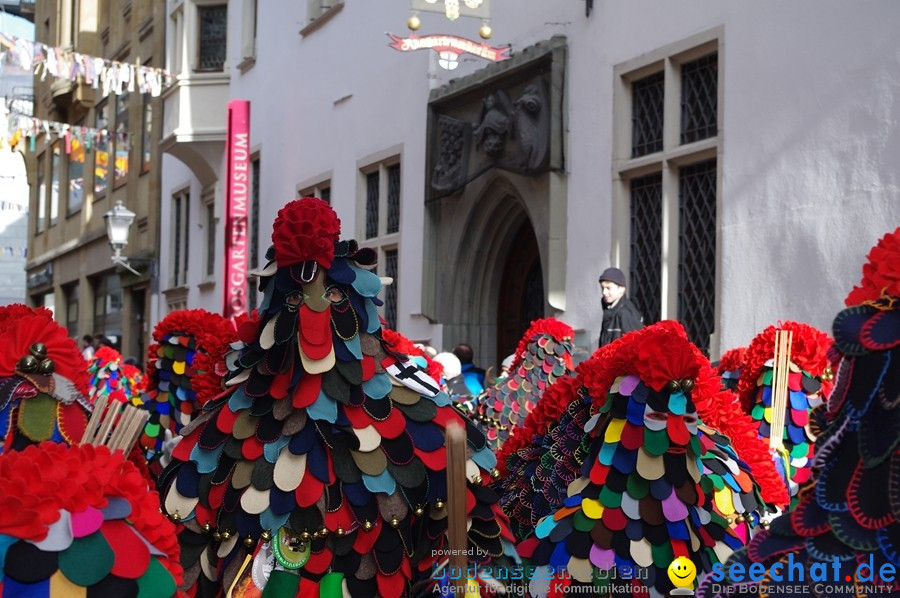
[30, 127]
[10, 251]
[109, 76]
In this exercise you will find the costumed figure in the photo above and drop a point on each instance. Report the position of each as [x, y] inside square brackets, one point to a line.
[849, 514]
[729, 367]
[808, 383]
[322, 473]
[109, 377]
[43, 380]
[80, 521]
[656, 482]
[543, 356]
[185, 367]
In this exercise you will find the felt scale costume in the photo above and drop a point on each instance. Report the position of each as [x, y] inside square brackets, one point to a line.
[75, 520]
[851, 508]
[729, 367]
[185, 366]
[326, 461]
[80, 521]
[43, 380]
[654, 481]
[809, 381]
[111, 378]
[543, 356]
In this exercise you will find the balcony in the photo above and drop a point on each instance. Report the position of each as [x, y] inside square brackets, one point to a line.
[194, 118]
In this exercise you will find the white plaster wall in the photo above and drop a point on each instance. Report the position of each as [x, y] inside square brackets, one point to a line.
[13, 226]
[809, 157]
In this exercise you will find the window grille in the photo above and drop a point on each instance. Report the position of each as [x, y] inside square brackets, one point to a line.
[325, 195]
[697, 251]
[646, 246]
[699, 98]
[213, 33]
[647, 115]
[373, 181]
[390, 293]
[211, 240]
[393, 199]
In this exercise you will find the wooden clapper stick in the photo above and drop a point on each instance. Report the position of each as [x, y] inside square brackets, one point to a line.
[115, 425]
[457, 532]
[780, 372]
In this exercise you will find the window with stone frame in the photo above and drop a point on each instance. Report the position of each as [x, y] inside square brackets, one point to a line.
[380, 225]
[668, 115]
[212, 37]
[181, 238]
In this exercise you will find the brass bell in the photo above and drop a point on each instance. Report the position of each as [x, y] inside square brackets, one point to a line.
[226, 535]
[175, 517]
[323, 532]
[207, 528]
[249, 542]
[305, 537]
[39, 350]
[28, 364]
[828, 374]
[368, 526]
[414, 23]
[46, 368]
[673, 386]
[217, 536]
[687, 384]
[265, 536]
[339, 531]
[485, 31]
[495, 473]
[477, 480]
[419, 511]
[395, 522]
[439, 504]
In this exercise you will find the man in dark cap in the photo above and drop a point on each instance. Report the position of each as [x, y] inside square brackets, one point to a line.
[619, 314]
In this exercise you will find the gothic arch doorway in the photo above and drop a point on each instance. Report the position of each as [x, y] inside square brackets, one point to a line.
[521, 297]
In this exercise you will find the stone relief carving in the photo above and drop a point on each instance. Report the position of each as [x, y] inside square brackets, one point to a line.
[511, 132]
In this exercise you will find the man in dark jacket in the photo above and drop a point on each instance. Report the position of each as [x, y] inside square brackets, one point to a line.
[619, 314]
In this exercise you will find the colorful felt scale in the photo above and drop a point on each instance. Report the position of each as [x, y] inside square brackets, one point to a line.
[544, 356]
[328, 441]
[802, 391]
[111, 378]
[729, 367]
[849, 513]
[185, 368]
[98, 533]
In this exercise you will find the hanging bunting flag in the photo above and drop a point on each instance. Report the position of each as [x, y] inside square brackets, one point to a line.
[110, 76]
[31, 128]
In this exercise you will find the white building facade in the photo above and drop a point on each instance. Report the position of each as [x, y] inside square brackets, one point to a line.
[735, 159]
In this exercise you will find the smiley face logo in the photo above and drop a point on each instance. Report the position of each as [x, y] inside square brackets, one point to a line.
[682, 572]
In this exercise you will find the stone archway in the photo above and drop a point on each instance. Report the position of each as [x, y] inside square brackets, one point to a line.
[521, 296]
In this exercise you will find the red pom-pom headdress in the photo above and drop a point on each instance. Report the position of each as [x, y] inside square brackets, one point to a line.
[549, 326]
[212, 334]
[22, 327]
[305, 230]
[881, 274]
[809, 351]
[732, 360]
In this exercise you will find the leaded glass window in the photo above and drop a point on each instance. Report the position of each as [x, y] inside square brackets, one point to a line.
[699, 98]
[646, 246]
[647, 115]
[373, 181]
[213, 37]
[390, 293]
[697, 251]
[393, 199]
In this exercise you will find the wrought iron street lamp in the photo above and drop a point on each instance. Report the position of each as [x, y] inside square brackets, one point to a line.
[118, 226]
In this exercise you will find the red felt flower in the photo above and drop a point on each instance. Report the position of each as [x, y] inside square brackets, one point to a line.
[21, 327]
[305, 230]
[560, 331]
[881, 275]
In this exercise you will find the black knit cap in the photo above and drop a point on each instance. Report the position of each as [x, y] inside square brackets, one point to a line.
[613, 275]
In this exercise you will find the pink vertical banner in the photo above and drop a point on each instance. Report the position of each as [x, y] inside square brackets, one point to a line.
[237, 194]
